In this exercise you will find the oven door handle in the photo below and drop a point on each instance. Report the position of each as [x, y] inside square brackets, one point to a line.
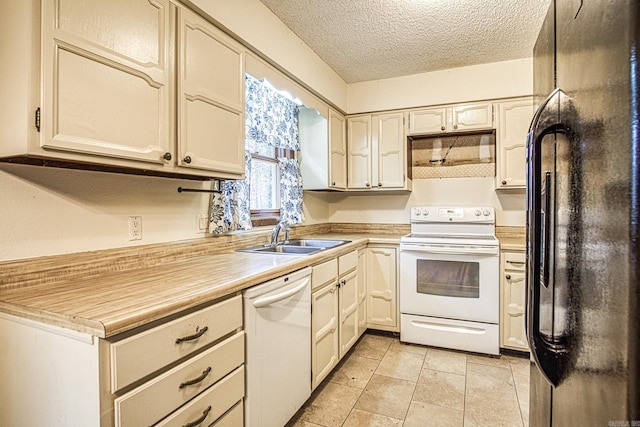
[450, 251]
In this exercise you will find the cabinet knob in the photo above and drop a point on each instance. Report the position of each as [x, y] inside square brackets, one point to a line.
[508, 276]
[455, 126]
[379, 184]
[368, 185]
[504, 182]
[167, 156]
[442, 128]
[333, 184]
[338, 285]
[187, 159]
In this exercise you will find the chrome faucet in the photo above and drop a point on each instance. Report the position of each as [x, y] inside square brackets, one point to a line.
[276, 231]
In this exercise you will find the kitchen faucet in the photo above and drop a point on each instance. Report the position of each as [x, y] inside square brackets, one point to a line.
[276, 231]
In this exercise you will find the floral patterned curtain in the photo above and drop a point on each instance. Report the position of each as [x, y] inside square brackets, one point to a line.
[290, 192]
[273, 119]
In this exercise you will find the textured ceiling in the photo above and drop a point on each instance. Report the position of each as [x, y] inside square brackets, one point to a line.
[376, 39]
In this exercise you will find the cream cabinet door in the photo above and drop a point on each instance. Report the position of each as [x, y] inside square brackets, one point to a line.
[106, 82]
[325, 350]
[513, 286]
[382, 292]
[431, 120]
[359, 152]
[210, 104]
[348, 297]
[362, 291]
[471, 117]
[338, 145]
[512, 127]
[390, 147]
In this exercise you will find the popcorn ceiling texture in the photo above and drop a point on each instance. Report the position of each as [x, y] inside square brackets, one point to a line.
[376, 39]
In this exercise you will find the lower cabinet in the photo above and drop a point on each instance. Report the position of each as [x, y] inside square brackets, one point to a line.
[335, 301]
[513, 294]
[382, 288]
[188, 371]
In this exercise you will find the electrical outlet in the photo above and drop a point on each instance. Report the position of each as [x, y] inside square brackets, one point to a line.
[202, 223]
[135, 228]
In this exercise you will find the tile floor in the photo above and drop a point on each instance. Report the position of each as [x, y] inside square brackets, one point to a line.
[383, 382]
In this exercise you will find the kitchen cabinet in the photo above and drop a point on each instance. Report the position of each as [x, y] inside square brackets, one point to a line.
[382, 288]
[512, 125]
[211, 97]
[189, 366]
[377, 152]
[513, 292]
[338, 144]
[323, 149]
[334, 319]
[455, 118]
[108, 91]
[362, 291]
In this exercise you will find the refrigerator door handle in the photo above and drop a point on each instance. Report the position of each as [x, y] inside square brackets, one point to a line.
[549, 357]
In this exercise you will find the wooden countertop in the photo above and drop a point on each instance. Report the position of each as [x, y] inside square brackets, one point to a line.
[107, 304]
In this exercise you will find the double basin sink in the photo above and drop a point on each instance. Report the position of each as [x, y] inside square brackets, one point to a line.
[295, 247]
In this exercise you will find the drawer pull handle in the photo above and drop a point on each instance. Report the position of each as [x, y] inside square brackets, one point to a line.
[196, 380]
[194, 336]
[516, 262]
[199, 420]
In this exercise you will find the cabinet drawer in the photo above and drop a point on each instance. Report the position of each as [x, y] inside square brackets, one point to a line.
[515, 261]
[139, 355]
[324, 273]
[155, 399]
[347, 262]
[219, 398]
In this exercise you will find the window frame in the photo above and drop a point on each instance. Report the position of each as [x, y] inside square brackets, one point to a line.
[263, 217]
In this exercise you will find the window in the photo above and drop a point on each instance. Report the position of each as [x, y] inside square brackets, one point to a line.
[265, 183]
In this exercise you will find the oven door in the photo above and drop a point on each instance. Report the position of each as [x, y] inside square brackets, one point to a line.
[459, 282]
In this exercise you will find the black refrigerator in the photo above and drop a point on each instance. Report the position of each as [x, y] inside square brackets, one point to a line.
[583, 217]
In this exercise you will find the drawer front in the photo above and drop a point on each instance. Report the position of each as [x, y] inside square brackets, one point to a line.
[324, 273]
[515, 261]
[213, 403]
[347, 262]
[144, 353]
[155, 399]
[233, 418]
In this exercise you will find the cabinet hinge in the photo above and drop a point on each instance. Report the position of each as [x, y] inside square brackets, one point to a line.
[38, 119]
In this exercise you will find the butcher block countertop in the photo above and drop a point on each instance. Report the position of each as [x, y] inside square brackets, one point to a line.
[113, 302]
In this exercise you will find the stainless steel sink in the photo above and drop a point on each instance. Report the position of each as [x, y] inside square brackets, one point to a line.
[296, 247]
[316, 243]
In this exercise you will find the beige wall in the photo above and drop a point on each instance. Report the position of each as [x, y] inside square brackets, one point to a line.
[486, 81]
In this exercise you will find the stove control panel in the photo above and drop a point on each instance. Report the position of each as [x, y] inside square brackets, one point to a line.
[483, 214]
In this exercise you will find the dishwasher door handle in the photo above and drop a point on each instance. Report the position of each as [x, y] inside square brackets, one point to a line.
[271, 299]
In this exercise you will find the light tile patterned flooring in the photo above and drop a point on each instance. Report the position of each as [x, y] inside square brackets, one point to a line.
[383, 382]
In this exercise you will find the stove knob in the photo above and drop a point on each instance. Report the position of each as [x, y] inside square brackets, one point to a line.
[426, 212]
[418, 212]
[478, 212]
[486, 212]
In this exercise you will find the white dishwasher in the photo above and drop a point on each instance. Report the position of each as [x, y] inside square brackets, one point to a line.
[278, 336]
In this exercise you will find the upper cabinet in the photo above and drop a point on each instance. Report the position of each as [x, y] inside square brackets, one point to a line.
[457, 118]
[210, 97]
[512, 125]
[323, 149]
[107, 87]
[377, 152]
[338, 147]
[122, 89]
